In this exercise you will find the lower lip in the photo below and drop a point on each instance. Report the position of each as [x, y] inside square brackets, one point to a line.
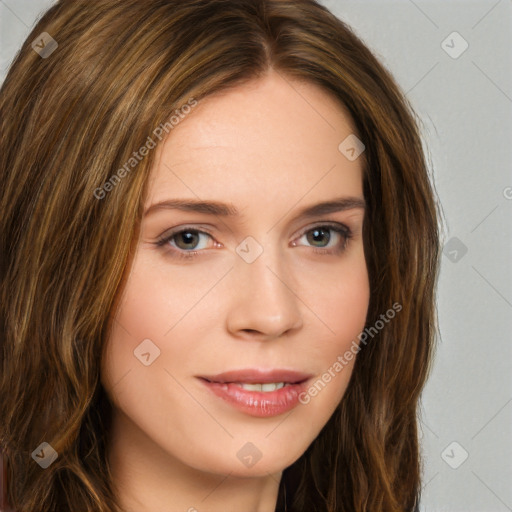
[258, 403]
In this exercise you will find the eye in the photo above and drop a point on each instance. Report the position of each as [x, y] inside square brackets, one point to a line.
[320, 237]
[188, 242]
[184, 240]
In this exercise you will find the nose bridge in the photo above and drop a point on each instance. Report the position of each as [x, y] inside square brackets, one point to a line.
[263, 299]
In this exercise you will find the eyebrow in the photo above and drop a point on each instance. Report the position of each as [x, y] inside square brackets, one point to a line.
[230, 210]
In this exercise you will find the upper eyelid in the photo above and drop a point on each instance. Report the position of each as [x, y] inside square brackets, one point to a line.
[207, 231]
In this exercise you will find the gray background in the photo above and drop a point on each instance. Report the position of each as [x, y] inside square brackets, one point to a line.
[465, 104]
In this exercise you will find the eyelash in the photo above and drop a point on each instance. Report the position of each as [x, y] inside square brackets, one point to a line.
[340, 229]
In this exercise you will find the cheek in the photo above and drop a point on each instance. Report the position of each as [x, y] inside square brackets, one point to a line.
[157, 314]
[141, 316]
[339, 297]
[340, 302]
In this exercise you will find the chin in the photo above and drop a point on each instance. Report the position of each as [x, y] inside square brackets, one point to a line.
[241, 466]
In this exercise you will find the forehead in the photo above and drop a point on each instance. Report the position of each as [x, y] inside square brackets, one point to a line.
[273, 139]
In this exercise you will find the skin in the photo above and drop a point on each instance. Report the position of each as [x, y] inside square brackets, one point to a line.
[269, 147]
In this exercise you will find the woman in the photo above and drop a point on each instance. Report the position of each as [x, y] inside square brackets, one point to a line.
[266, 369]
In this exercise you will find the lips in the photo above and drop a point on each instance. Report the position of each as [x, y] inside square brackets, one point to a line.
[259, 393]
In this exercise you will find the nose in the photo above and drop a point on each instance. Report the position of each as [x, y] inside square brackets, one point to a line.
[263, 304]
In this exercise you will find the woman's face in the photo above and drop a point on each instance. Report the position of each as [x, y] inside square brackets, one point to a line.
[264, 291]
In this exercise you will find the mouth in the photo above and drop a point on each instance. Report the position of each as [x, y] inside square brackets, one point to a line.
[260, 393]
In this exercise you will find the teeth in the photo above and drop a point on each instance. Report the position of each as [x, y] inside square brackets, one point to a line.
[267, 387]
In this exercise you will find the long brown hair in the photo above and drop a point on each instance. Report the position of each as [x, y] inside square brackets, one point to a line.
[71, 118]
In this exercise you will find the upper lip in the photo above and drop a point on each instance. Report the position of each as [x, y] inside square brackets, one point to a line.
[259, 376]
